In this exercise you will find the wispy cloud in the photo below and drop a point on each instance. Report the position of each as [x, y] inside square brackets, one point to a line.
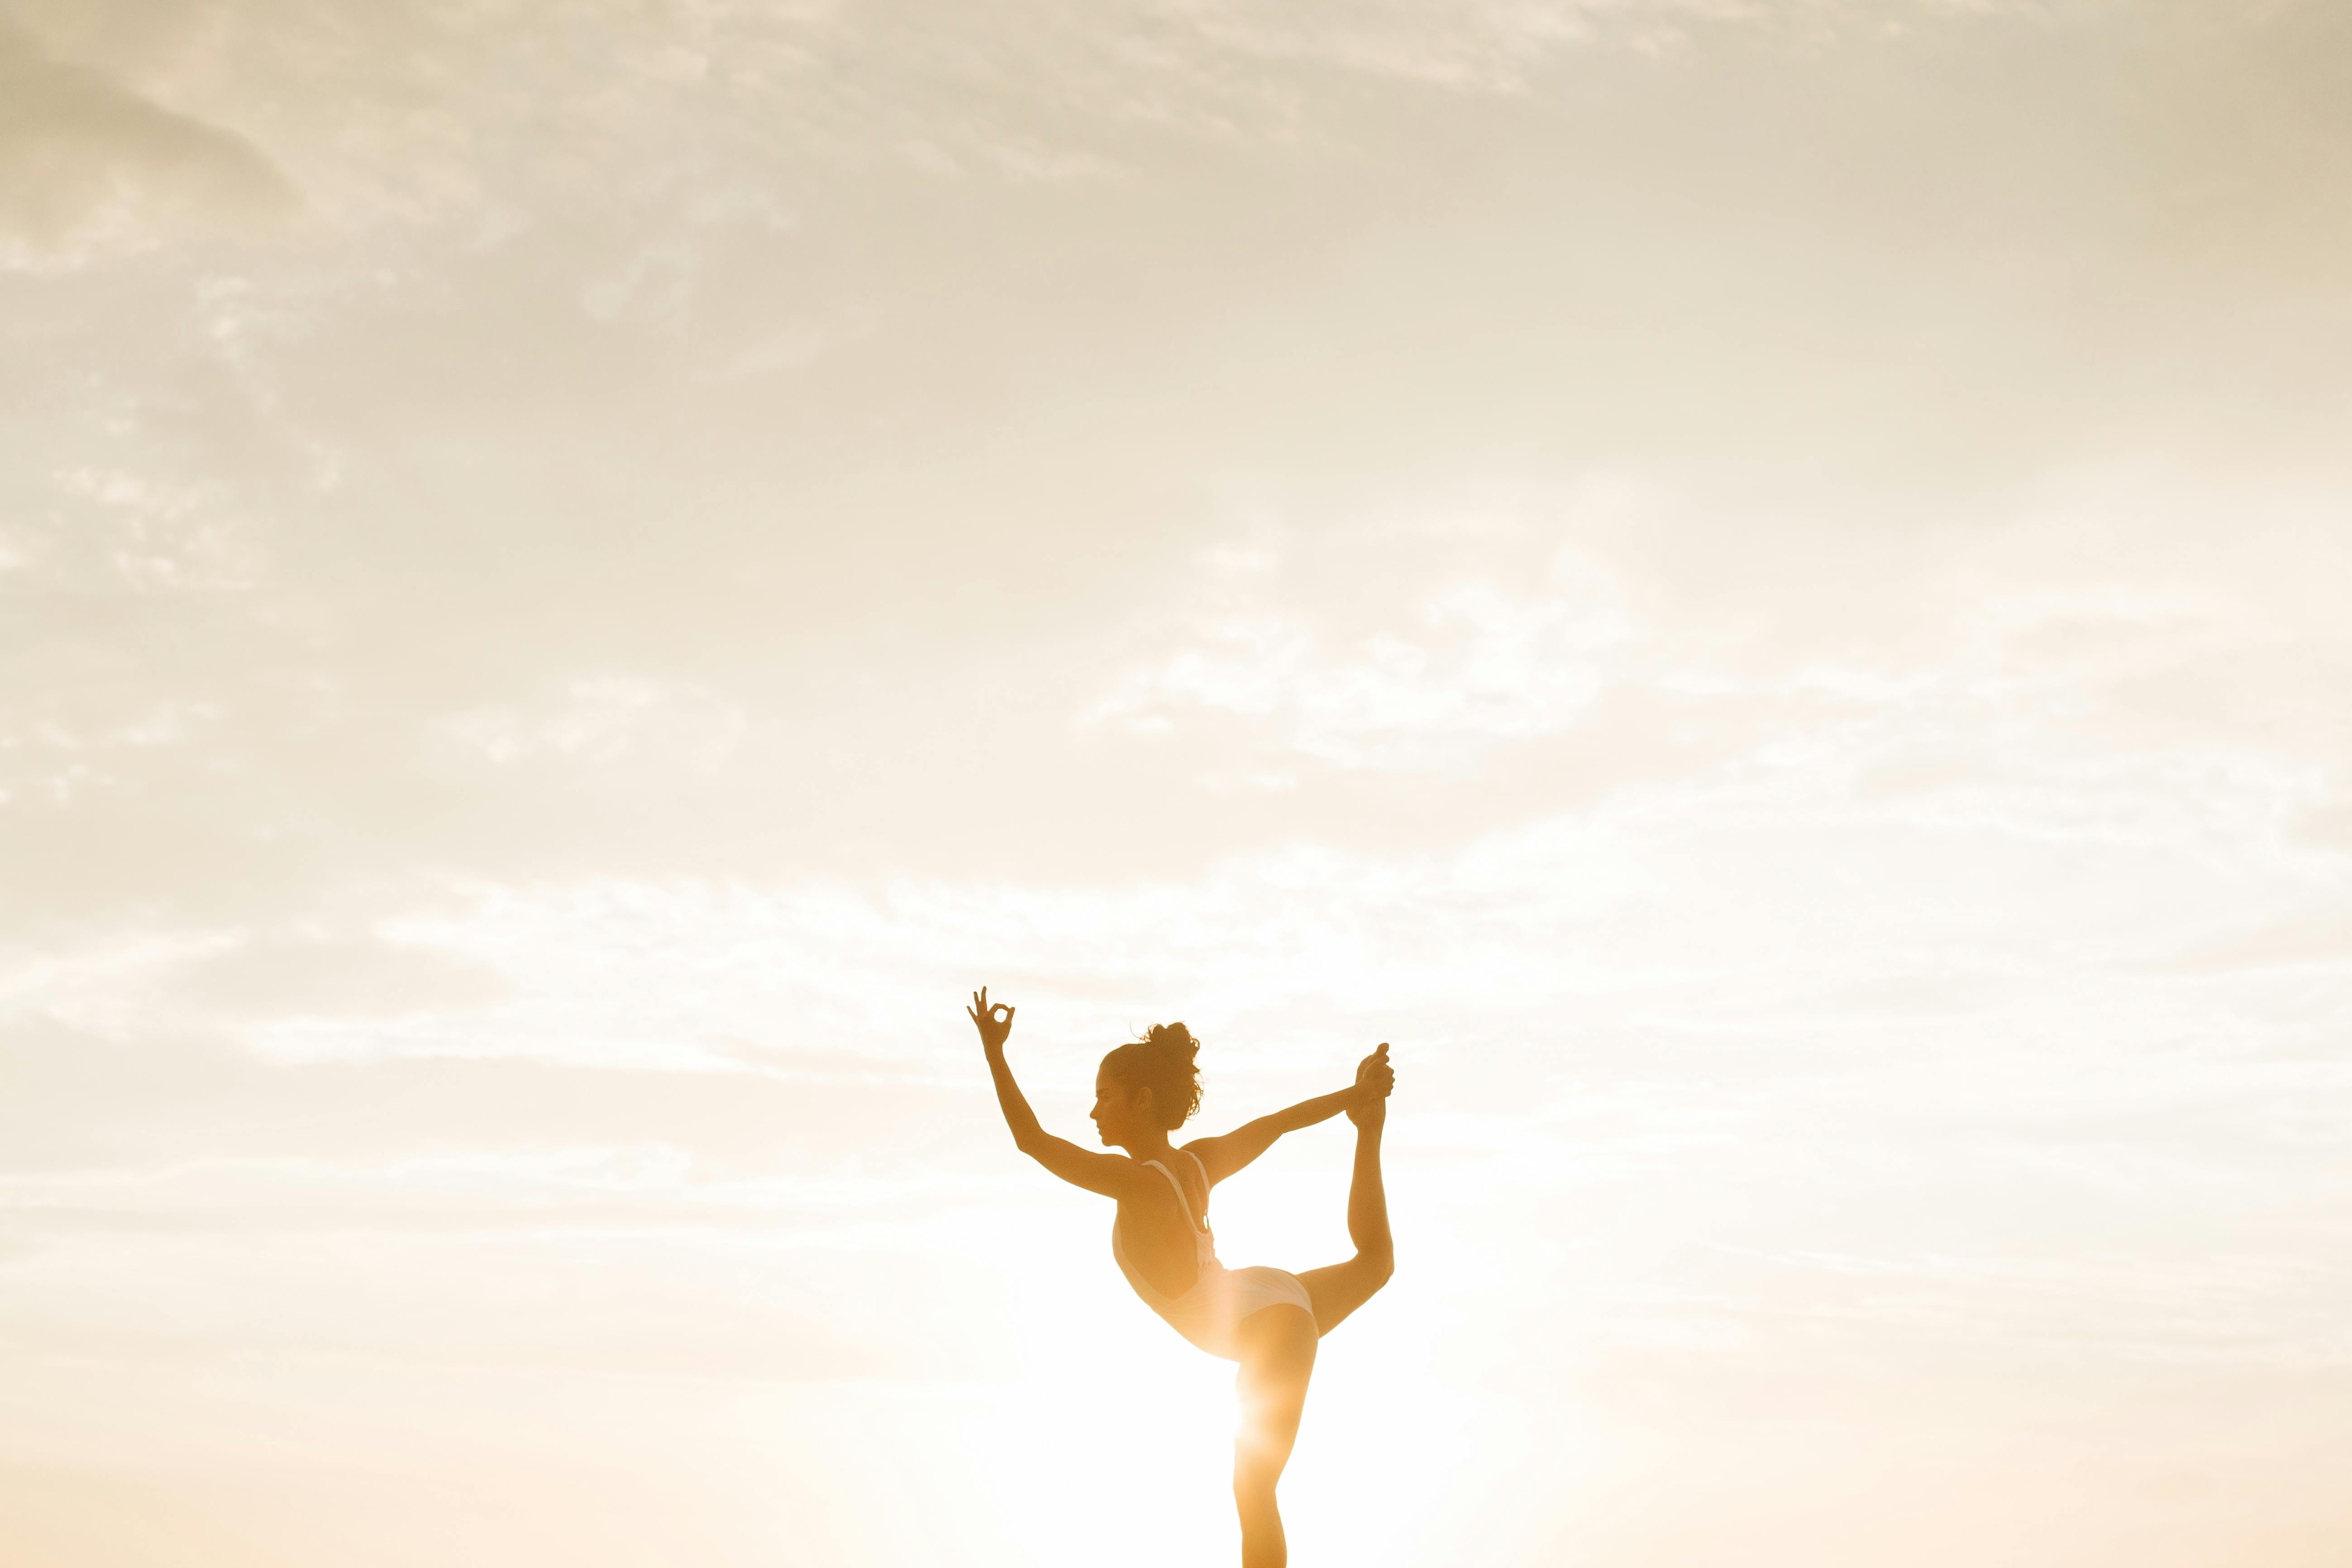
[89, 166]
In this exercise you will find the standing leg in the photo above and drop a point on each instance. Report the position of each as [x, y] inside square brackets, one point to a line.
[1277, 1355]
[1341, 1289]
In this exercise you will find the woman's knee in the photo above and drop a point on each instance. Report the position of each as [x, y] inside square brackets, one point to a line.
[1260, 1455]
[1268, 1427]
[1260, 1458]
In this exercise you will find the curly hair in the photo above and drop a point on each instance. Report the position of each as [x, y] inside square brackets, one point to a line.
[1161, 1061]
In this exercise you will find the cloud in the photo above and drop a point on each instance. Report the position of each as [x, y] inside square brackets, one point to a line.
[1488, 46]
[75, 1096]
[88, 165]
[1473, 666]
[606, 723]
[2317, 942]
[683, 94]
[337, 979]
[166, 538]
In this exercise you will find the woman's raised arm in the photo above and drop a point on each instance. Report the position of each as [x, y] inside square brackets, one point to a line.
[1109, 1174]
[1221, 1156]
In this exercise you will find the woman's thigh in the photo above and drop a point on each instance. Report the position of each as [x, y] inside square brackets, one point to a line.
[1341, 1288]
[1277, 1357]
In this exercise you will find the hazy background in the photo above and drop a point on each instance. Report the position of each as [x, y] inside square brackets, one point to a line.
[1759, 587]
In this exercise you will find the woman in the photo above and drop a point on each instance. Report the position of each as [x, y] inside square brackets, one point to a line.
[1262, 1318]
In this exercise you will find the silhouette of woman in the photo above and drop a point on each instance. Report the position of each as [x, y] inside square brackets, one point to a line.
[1262, 1318]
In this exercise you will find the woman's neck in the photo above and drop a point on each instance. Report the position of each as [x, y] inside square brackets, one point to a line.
[1155, 1147]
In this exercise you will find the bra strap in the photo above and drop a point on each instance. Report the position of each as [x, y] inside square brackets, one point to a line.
[1190, 1223]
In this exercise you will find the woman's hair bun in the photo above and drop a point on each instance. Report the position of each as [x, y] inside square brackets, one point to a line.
[1161, 1061]
[1173, 1037]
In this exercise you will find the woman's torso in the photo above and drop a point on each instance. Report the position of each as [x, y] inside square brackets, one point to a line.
[1156, 1238]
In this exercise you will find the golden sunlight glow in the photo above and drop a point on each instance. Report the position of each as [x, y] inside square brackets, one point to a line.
[1759, 589]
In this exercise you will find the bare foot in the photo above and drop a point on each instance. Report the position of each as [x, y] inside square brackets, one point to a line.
[1374, 1080]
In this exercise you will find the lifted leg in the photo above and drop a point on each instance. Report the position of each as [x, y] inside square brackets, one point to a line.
[1341, 1289]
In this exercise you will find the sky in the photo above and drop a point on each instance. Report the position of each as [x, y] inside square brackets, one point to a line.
[1754, 586]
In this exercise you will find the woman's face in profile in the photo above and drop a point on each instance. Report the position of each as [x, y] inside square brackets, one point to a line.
[1114, 1112]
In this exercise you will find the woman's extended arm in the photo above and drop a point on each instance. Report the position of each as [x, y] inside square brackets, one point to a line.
[1221, 1157]
[1108, 1174]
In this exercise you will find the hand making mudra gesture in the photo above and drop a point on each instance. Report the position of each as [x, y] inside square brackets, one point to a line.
[1265, 1320]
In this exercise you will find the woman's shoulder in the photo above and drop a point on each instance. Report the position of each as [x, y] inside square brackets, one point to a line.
[1152, 1187]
